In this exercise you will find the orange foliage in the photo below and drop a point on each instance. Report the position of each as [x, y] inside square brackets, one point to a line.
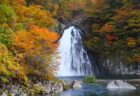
[121, 15]
[36, 40]
[72, 6]
[76, 5]
[110, 37]
[137, 59]
[107, 28]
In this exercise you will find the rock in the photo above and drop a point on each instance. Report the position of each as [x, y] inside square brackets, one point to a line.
[31, 93]
[58, 27]
[41, 88]
[67, 84]
[50, 88]
[23, 94]
[118, 84]
[77, 84]
[137, 85]
[4, 94]
[58, 88]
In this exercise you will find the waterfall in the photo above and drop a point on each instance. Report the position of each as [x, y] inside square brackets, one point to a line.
[74, 60]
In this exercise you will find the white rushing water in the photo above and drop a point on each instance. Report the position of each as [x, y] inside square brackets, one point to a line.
[74, 60]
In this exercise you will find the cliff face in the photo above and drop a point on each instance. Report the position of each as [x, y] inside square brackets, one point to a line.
[108, 67]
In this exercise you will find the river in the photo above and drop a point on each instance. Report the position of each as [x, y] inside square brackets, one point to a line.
[99, 89]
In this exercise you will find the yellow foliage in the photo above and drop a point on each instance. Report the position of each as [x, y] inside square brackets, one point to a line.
[9, 65]
[34, 14]
[131, 42]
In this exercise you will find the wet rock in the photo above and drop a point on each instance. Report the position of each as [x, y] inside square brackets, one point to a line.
[67, 84]
[58, 27]
[77, 84]
[118, 84]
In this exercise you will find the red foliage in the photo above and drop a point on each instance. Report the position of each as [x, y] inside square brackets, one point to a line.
[111, 37]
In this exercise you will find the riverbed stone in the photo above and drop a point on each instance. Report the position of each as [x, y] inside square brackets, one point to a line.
[118, 84]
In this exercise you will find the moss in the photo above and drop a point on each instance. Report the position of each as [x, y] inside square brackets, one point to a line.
[90, 79]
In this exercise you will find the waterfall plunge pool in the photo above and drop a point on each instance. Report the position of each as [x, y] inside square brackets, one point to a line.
[99, 77]
[99, 89]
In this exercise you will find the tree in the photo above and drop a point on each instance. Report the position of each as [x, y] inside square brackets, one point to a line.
[7, 21]
[9, 67]
[35, 40]
[34, 14]
[37, 45]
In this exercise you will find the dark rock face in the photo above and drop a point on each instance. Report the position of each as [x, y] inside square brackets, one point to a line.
[109, 67]
[82, 22]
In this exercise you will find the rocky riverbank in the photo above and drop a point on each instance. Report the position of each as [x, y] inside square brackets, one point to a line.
[22, 90]
[47, 87]
[38, 88]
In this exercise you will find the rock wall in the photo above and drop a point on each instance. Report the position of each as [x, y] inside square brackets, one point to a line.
[109, 67]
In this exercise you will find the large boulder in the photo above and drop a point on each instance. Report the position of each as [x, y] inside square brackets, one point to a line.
[118, 84]
[77, 84]
[67, 84]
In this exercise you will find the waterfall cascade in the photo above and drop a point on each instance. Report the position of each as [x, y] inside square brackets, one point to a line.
[74, 60]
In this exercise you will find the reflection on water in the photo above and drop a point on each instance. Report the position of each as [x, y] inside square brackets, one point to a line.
[97, 90]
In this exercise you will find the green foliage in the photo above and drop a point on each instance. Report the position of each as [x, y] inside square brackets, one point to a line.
[7, 14]
[5, 36]
[90, 79]
[7, 19]
[3, 79]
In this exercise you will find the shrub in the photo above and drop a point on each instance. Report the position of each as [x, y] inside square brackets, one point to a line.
[90, 79]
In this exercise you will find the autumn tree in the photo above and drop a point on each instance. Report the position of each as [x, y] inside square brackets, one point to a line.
[9, 67]
[37, 45]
